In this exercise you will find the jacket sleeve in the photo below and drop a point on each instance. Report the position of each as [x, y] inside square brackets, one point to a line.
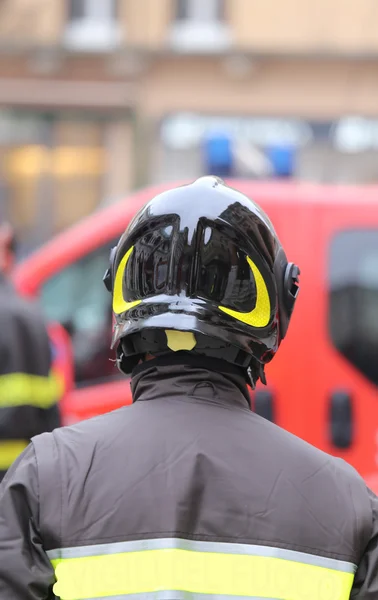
[365, 585]
[25, 570]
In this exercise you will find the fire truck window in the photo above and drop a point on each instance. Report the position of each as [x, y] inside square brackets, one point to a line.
[76, 297]
[353, 315]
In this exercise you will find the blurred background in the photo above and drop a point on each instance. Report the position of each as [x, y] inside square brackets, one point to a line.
[98, 97]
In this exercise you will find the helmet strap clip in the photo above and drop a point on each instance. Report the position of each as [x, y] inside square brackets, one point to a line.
[251, 379]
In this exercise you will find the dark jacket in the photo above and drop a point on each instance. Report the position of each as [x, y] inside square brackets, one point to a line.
[185, 494]
[28, 390]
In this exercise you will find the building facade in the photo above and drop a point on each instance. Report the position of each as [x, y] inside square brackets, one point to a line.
[100, 96]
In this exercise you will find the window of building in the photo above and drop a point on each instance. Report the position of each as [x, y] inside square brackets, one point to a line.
[199, 11]
[77, 298]
[92, 24]
[353, 307]
[52, 170]
[93, 10]
[199, 25]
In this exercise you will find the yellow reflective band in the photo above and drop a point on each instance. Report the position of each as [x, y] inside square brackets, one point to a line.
[119, 303]
[253, 571]
[18, 389]
[9, 451]
[260, 315]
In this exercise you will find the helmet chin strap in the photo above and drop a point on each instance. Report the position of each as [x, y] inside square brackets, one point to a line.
[262, 374]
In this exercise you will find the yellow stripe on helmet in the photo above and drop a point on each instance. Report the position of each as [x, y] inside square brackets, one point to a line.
[119, 303]
[260, 315]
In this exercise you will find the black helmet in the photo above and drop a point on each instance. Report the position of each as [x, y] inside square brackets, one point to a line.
[200, 268]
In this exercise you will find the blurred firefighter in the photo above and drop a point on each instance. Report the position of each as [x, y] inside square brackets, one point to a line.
[28, 390]
[187, 493]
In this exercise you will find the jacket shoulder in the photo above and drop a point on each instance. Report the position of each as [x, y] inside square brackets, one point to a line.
[92, 431]
[327, 488]
[301, 453]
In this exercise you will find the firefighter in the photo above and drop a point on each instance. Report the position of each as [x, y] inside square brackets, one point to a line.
[28, 393]
[187, 493]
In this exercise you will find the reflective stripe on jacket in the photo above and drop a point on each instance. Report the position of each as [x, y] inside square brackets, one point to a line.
[199, 568]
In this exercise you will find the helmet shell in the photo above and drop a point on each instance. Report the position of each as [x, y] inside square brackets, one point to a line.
[202, 258]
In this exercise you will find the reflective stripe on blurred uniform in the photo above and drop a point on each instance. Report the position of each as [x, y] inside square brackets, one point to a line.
[23, 389]
[9, 451]
[18, 389]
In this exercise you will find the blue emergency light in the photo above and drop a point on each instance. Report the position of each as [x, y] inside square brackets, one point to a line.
[218, 155]
[282, 159]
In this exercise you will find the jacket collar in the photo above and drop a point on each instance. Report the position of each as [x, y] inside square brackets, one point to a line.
[189, 375]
